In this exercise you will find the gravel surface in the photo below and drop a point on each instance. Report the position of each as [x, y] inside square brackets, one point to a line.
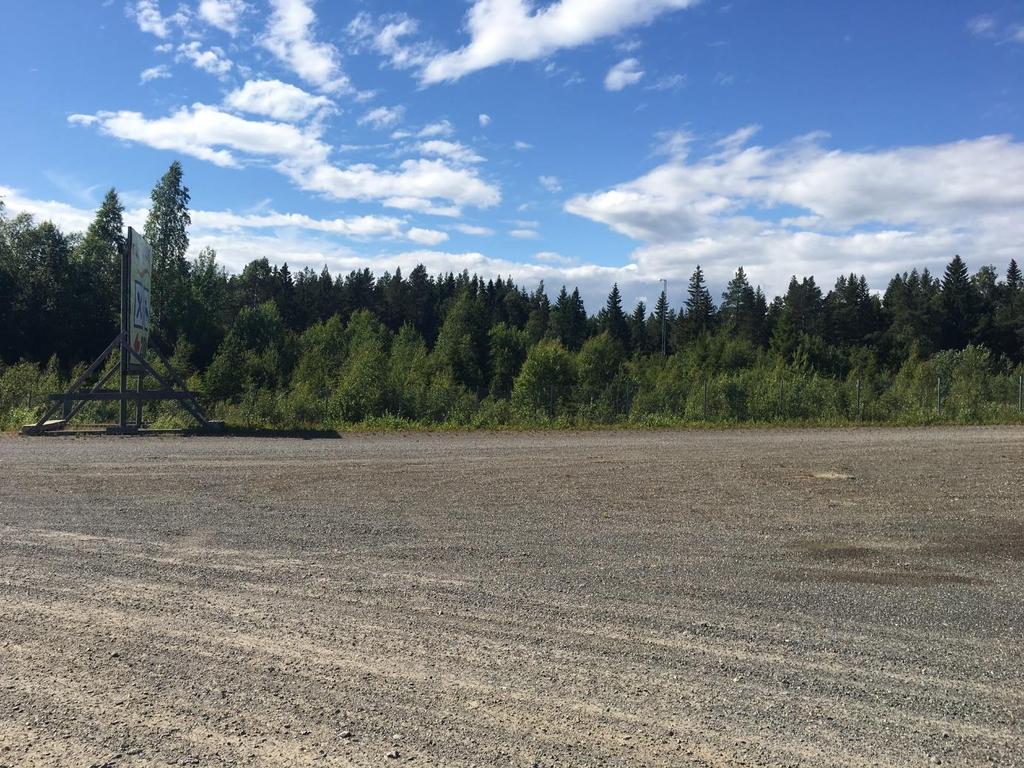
[709, 598]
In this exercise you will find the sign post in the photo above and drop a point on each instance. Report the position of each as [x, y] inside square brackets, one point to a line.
[132, 346]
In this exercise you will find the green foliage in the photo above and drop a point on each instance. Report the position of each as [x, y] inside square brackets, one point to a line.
[271, 348]
[544, 386]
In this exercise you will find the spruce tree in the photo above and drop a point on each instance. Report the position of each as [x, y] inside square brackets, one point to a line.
[661, 322]
[166, 232]
[613, 319]
[959, 303]
[99, 254]
[638, 328]
[700, 309]
[1013, 276]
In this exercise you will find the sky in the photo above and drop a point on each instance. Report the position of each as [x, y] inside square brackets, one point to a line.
[579, 142]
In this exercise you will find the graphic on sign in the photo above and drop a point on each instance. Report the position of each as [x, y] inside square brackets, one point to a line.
[141, 266]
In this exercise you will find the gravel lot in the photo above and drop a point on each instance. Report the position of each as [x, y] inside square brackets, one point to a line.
[815, 597]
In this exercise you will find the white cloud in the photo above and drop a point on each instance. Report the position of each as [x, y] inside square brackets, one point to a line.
[470, 229]
[226, 223]
[514, 30]
[289, 37]
[485, 120]
[668, 83]
[524, 234]
[626, 72]
[212, 60]
[432, 130]
[147, 15]
[414, 186]
[550, 183]
[552, 257]
[426, 236]
[386, 37]
[383, 117]
[154, 73]
[223, 14]
[982, 26]
[280, 101]
[206, 132]
[452, 150]
[522, 146]
[873, 211]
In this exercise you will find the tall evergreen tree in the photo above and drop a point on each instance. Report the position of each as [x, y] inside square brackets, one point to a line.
[1013, 276]
[699, 315]
[612, 319]
[166, 232]
[638, 328]
[959, 305]
[99, 257]
[662, 322]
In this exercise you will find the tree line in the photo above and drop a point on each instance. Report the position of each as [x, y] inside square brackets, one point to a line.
[269, 346]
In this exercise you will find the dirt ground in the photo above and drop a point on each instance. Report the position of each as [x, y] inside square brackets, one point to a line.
[707, 598]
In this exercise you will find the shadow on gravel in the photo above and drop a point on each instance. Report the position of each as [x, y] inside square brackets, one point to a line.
[293, 434]
[889, 578]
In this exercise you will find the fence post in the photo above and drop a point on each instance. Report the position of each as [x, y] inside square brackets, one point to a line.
[859, 410]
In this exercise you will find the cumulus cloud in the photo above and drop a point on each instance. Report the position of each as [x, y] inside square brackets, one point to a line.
[471, 229]
[209, 133]
[382, 117]
[149, 18]
[626, 72]
[415, 185]
[154, 73]
[426, 236]
[874, 211]
[515, 30]
[290, 38]
[227, 223]
[485, 120]
[223, 14]
[550, 183]
[387, 35]
[212, 60]
[452, 150]
[277, 100]
[429, 131]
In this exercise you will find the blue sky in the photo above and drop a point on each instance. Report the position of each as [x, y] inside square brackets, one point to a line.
[581, 141]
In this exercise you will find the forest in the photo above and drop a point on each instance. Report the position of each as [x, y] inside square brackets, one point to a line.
[269, 348]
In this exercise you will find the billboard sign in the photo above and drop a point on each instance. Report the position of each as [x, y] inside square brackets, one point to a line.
[140, 273]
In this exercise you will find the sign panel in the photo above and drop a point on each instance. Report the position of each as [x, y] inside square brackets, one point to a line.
[140, 272]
